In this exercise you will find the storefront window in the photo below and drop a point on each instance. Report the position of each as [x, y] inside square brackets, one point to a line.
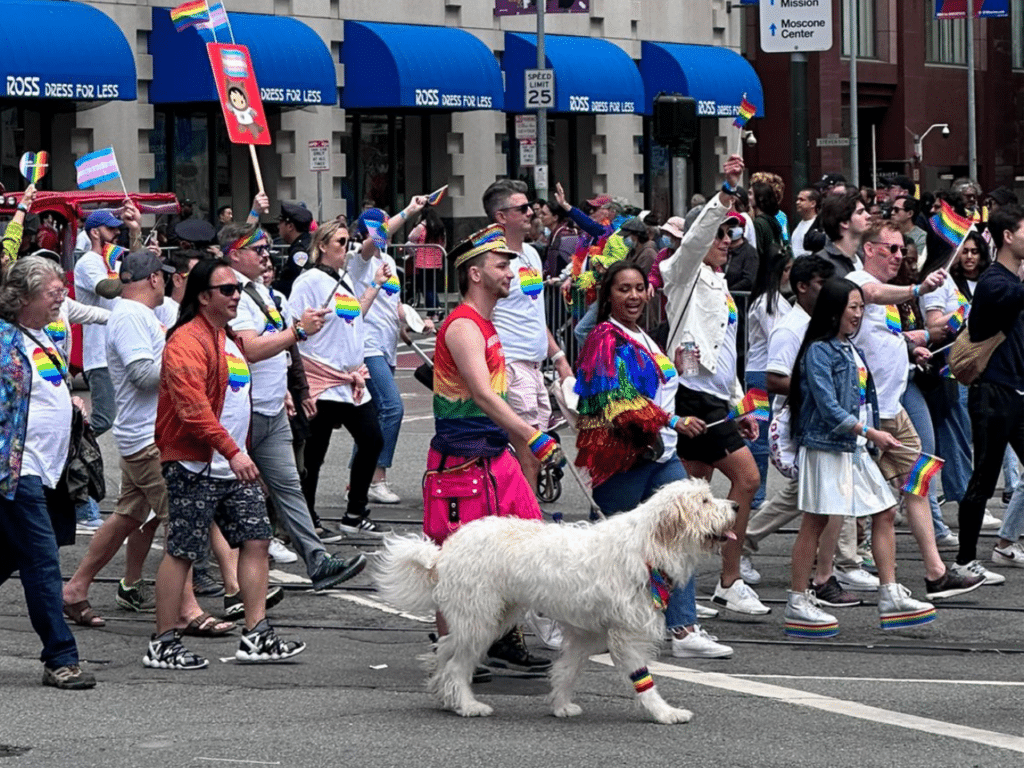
[376, 148]
[192, 158]
[945, 39]
[865, 10]
[22, 130]
[191, 170]
[1017, 25]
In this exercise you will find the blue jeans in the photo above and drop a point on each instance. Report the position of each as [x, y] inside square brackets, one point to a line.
[1013, 519]
[1011, 469]
[388, 401]
[28, 545]
[626, 490]
[585, 325]
[917, 410]
[759, 447]
[947, 404]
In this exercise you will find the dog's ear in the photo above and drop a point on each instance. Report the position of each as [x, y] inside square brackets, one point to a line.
[673, 521]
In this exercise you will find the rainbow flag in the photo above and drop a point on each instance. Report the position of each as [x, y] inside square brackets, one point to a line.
[747, 111]
[925, 468]
[437, 195]
[950, 225]
[111, 253]
[957, 319]
[754, 403]
[190, 14]
[33, 166]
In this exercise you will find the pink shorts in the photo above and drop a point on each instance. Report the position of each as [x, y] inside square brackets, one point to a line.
[515, 498]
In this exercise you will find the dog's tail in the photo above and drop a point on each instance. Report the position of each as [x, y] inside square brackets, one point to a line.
[405, 572]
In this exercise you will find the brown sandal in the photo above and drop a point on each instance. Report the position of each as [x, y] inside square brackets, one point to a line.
[205, 625]
[83, 615]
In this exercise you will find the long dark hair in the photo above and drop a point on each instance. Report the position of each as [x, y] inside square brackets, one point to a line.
[434, 230]
[770, 288]
[824, 325]
[198, 281]
[604, 294]
[984, 259]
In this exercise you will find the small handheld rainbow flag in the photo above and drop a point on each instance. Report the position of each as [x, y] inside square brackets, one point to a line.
[747, 111]
[754, 403]
[437, 195]
[925, 468]
[950, 225]
[190, 14]
[958, 318]
[378, 232]
[33, 166]
[111, 253]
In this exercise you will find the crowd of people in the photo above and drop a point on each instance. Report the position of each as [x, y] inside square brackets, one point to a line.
[223, 378]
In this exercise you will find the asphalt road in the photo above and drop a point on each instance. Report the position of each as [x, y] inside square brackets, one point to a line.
[943, 695]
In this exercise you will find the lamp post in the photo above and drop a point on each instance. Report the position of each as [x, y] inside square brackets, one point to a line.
[919, 145]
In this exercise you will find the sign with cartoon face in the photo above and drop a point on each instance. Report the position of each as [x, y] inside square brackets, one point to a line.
[239, 94]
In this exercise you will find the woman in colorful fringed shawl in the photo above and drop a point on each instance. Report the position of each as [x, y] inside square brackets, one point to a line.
[628, 430]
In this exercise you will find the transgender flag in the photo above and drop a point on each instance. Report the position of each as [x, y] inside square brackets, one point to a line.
[234, 64]
[97, 167]
[218, 22]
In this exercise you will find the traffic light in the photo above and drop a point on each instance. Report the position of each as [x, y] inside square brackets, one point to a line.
[675, 121]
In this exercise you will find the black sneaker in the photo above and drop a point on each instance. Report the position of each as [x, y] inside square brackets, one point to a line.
[261, 643]
[138, 597]
[167, 652]
[327, 536]
[333, 570]
[510, 652]
[361, 527]
[833, 595]
[234, 609]
[68, 678]
[204, 585]
[951, 584]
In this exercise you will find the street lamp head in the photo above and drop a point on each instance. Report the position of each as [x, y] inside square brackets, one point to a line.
[750, 138]
[945, 131]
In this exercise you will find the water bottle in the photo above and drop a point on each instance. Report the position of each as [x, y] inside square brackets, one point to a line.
[686, 356]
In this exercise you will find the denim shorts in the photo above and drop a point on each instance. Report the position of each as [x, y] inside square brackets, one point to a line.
[195, 501]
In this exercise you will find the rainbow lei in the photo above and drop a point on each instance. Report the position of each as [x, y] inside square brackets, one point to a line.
[862, 383]
[892, 320]
[730, 303]
[661, 588]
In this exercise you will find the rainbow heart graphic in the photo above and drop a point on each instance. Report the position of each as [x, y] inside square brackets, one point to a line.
[57, 331]
[33, 166]
[238, 372]
[47, 370]
[346, 307]
[391, 286]
[530, 281]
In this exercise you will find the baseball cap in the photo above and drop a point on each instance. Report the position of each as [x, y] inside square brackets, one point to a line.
[675, 226]
[135, 266]
[101, 218]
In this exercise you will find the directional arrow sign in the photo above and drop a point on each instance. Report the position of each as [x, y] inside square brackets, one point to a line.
[789, 26]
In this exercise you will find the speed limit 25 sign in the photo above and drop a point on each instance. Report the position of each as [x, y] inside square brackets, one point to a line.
[540, 88]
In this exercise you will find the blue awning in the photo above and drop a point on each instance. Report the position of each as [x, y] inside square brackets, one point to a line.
[405, 65]
[715, 77]
[591, 75]
[53, 49]
[291, 63]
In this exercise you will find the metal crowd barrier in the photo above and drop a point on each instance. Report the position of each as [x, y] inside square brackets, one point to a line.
[426, 288]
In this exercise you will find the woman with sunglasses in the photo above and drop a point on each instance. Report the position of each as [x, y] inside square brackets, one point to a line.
[337, 375]
[700, 308]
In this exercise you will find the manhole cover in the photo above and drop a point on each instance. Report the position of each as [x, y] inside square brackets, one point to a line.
[9, 750]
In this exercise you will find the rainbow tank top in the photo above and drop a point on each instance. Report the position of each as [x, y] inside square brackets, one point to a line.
[461, 428]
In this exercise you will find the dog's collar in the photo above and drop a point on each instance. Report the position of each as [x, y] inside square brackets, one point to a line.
[660, 586]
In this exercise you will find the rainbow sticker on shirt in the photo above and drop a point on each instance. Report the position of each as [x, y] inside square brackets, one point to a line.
[274, 321]
[346, 307]
[892, 319]
[57, 331]
[47, 370]
[730, 303]
[238, 372]
[664, 365]
[530, 281]
[862, 383]
[391, 286]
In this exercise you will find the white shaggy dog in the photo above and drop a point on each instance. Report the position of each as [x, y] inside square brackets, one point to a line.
[595, 580]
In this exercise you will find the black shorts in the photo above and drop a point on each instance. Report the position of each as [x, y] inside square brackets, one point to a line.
[717, 442]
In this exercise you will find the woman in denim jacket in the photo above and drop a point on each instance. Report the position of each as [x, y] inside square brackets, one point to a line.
[835, 411]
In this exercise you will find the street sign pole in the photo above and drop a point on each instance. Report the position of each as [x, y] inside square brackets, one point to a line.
[972, 126]
[801, 150]
[854, 128]
[540, 171]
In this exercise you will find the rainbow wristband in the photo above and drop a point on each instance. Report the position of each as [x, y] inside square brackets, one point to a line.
[542, 445]
[673, 421]
[642, 680]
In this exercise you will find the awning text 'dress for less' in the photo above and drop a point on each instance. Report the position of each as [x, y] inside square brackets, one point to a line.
[591, 75]
[63, 50]
[292, 64]
[396, 66]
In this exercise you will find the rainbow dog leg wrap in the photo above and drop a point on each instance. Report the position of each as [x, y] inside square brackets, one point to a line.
[642, 680]
[907, 619]
[542, 445]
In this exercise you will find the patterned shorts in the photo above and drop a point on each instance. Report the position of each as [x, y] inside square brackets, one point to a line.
[196, 501]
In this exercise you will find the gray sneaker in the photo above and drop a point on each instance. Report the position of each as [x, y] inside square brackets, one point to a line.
[333, 570]
[138, 597]
[68, 678]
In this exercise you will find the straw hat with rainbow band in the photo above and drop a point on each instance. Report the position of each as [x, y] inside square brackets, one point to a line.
[487, 240]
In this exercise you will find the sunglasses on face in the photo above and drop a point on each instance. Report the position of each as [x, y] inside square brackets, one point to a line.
[723, 235]
[227, 289]
[892, 248]
[261, 250]
[342, 241]
[518, 208]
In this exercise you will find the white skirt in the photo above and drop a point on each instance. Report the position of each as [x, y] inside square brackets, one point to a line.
[841, 483]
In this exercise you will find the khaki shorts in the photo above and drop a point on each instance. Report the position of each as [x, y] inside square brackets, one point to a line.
[142, 486]
[528, 394]
[895, 464]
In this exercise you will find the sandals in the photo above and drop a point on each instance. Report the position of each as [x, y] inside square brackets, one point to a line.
[83, 615]
[205, 625]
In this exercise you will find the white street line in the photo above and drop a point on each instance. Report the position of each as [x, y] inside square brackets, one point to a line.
[997, 683]
[230, 760]
[829, 704]
[380, 607]
[417, 418]
[283, 577]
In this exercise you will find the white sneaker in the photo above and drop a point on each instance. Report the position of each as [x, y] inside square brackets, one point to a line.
[748, 572]
[1009, 555]
[546, 630]
[991, 521]
[948, 543]
[707, 612]
[857, 580]
[975, 568]
[698, 644]
[382, 494]
[804, 619]
[739, 598]
[898, 610]
[279, 553]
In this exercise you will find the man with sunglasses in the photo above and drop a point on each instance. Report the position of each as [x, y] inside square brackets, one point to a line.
[888, 353]
[261, 327]
[904, 210]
